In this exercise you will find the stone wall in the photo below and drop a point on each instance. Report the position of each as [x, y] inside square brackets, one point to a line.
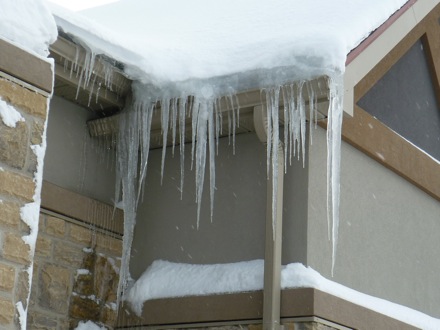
[17, 187]
[75, 275]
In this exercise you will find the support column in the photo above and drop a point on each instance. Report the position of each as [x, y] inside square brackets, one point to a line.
[272, 257]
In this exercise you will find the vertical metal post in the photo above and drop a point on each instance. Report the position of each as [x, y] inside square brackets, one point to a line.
[272, 258]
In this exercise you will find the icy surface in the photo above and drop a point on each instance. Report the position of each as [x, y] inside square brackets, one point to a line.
[165, 279]
[28, 24]
[9, 115]
[184, 61]
[89, 325]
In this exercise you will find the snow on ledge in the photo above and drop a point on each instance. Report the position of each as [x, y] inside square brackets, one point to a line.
[164, 279]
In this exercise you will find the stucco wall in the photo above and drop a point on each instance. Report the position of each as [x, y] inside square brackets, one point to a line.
[389, 231]
[167, 226]
[73, 159]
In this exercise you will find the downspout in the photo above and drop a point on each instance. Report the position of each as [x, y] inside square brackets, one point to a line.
[273, 239]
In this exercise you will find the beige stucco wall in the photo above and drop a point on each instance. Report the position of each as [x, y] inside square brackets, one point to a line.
[167, 225]
[74, 160]
[388, 235]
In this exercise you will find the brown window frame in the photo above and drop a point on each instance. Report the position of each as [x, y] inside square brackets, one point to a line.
[372, 137]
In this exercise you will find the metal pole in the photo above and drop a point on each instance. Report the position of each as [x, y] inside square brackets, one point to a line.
[272, 258]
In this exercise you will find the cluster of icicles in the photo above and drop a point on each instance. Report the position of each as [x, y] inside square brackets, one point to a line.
[206, 120]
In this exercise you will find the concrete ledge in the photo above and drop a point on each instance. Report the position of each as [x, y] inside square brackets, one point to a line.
[248, 306]
[25, 66]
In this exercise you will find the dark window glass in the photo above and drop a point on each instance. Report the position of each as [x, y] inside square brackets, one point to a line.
[404, 99]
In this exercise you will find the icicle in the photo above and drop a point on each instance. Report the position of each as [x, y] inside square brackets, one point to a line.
[146, 116]
[173, 122]
[234, 122]
[272, 105]
[286, 111]
[211, 136]
[165, 120]
[312, 110]
[217, 123]
[182, 116]
[302, 115]
[128, 147]
[195, 114]
[202, 119]
[206, 123]
[269, 132]
[334, 128]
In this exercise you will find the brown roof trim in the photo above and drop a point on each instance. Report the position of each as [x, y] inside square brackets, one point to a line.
[376, 33]
[248, 307]
[26, 67]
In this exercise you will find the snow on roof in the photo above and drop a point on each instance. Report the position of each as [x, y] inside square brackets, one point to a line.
[164, 41]
[164, 279]
[28, 24]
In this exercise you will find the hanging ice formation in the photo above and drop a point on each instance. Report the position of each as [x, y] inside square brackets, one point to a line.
[206, 121]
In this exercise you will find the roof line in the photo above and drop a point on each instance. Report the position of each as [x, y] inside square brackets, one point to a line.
[381, 29]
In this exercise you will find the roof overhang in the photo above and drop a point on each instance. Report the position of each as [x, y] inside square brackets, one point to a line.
[372, 50]
[109, 99]
[107, 88]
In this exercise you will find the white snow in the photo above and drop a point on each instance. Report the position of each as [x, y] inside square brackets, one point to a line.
[79, 5]
[89, 325]
[28, 24]
[164, 279]
[174, 42]
[9, 115]
[82, 272]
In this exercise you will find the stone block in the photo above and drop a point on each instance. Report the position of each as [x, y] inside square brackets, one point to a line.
[84, 284]
[37, 132]
[38, 320]
[55, 226]
[68, 254]
[17, 185]
[255, 327]
[80, 234]
[14, 144]
[109, 243]
[106, 280]
[89, 260]
[55, 288]
[109, 316]
[22, 288]
[7, 277]
[32, 162]
[27, 100]
[43, 247]
[9, 214]
[7, 311]
[15, 249]
[83, 308]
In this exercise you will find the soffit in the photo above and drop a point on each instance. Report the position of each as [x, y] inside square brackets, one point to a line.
[99, 94]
